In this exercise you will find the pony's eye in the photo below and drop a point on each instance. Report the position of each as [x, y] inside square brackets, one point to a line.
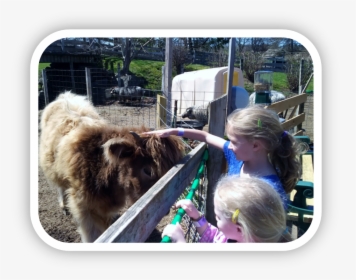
[147, 171]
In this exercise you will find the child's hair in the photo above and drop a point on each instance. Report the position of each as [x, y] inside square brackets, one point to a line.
[256, 122]
[261, 212]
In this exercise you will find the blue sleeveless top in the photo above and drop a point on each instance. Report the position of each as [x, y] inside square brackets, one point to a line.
[234, 168]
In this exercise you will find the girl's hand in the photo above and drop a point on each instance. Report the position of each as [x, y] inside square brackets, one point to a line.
[174, 232]
[161, 133]
[189, 208]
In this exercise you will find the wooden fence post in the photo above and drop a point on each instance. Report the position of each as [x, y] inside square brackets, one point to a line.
[161, 116]
[45, 86]
[300, 75]
[118, 75]
[230, 76]
[72, 76]
[88, 83]
[174, 122]
[215, 164]
[301, 106]
[162, 85]
[168, 78]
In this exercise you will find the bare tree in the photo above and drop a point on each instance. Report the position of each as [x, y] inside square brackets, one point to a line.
[252, 63]
[241, 43]
[180, 56]
[206, 44]
[220, 58]
[293, 70]
[259, 44]
[130, 48]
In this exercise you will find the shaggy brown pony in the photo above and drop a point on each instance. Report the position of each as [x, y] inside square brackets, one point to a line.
[96, 166]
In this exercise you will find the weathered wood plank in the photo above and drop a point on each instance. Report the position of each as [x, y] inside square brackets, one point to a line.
[288, 103]
[161, 112]
[137, 223]
[217, 119]
[293, 121]
[299, 133]
[292, 114]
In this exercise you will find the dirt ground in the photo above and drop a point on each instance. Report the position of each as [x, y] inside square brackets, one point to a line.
[62, 227]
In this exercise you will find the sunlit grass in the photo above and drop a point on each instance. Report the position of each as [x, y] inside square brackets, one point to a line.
[42, 66]
[280, 82]
[151, 71]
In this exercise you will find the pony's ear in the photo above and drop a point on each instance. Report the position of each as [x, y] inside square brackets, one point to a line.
[117, 148]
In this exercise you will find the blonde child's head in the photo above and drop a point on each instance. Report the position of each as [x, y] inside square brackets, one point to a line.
[254, 206]
[258, 123]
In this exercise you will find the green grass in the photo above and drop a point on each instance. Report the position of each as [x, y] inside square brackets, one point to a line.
[310, 87]
[248, 86]
[280, 82]
[194, 67]
[42, 66]
[152, 72]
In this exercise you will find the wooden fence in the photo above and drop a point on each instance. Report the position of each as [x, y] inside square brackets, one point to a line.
[137, 223]
[292, 110]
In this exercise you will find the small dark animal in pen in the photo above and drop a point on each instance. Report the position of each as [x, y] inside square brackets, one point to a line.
[132, 93]
[200, 113]
[98, 167]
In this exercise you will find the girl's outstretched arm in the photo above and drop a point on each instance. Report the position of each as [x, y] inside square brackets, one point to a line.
[194, 134]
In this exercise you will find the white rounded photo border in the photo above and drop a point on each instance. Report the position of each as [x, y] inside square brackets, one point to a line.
[172, 246]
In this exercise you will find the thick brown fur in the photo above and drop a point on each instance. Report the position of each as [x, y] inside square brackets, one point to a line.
[96, 166]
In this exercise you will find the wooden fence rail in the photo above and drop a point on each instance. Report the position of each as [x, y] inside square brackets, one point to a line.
[296, 116]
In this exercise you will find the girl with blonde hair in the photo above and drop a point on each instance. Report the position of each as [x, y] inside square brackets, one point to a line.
[258, 146]
[246, 209]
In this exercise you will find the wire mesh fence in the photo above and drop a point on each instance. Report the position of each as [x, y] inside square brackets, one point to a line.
[127, 109]
[135, 106]
[132, 106]
[199, 201]
[122, 115]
